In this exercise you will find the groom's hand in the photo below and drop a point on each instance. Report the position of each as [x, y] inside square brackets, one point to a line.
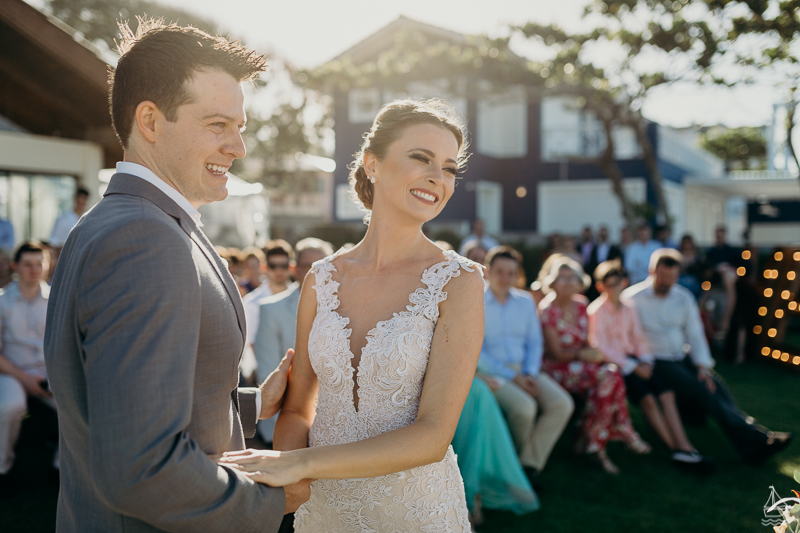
[297, 494]
[274, 387]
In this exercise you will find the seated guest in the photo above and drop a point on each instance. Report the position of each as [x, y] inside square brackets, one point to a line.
[693, 266]
[670, 320]
[277, 314]
[637, 254]
[476, 252]
[477, 236]
[252, 269]
[580, 369]
[725, 259]
[235, 263]
[600, 252]
[493, 477]
[614, 330]
[278, 256]
[23, 377]
[510, 361]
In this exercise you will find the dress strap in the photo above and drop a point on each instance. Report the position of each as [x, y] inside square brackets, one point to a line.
[324, 285]
[436, 278]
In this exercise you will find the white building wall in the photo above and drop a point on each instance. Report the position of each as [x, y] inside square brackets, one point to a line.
[489, 205]
[24, 152]
[705, 211]
[502, 124]
[568, 206]
[568, 130]
[676, 203]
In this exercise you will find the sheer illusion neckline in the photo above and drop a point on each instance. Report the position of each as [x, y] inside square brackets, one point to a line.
[373, 332]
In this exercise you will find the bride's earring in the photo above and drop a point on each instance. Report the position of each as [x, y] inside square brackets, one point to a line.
[372, 179]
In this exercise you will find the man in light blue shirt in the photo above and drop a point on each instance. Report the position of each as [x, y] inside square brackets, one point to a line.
[510, 360]
[637, 255]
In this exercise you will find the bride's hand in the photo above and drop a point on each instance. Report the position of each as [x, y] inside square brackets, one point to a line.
[273, 468]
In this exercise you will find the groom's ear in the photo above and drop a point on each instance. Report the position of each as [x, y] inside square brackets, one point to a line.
[146, 116]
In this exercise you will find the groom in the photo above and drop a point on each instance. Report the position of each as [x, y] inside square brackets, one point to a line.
[145, 325]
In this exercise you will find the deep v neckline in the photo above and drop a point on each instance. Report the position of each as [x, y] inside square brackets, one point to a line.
[371, 332]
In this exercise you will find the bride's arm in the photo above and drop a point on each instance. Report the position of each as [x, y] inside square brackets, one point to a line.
[297, 412]
[454, 355]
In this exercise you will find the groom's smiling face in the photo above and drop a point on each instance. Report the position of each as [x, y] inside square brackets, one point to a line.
[194, 153]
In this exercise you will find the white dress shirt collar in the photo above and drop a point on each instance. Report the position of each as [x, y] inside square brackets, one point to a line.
[135, 169]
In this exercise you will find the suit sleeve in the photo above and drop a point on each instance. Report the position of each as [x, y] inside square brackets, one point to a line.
[249, 409]
[139, 315]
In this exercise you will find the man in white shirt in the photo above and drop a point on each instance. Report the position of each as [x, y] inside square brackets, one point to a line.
[67, 221]
[637, 255]
[23, 310]
[671, 322]
[477, 236]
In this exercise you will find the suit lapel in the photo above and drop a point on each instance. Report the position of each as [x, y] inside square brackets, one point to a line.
[135, 186]
[213, 257]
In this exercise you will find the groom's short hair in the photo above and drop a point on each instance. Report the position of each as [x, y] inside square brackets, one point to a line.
[158, 59]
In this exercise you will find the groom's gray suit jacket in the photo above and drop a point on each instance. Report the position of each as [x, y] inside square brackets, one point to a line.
[145, 328]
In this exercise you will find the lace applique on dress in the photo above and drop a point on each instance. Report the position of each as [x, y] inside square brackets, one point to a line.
[391, 371]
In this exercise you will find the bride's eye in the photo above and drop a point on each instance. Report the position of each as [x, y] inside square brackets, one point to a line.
[421, 157]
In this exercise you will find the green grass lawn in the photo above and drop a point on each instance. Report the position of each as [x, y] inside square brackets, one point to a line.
[650, 495]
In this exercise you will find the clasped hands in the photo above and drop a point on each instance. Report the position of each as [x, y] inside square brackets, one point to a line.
[276, 469]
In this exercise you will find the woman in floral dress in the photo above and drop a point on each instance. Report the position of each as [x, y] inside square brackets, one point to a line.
[579, 368]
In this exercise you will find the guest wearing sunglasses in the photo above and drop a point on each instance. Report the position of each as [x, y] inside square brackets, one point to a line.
[279, 262]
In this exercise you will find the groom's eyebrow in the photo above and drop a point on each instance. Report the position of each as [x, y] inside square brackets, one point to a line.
[226, 117]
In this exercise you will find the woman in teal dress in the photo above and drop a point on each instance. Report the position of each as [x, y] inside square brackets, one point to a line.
[487, 457]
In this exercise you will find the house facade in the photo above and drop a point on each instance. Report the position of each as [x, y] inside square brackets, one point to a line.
[523, 176]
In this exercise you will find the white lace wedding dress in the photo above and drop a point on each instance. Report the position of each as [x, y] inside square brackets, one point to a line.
[390, 377]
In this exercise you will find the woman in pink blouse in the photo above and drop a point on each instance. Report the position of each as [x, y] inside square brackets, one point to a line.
[614, 330]
[579, 368]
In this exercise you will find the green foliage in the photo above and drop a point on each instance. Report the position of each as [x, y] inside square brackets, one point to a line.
[97, 19]
[272, 139]
[740, 148]
[415, 55]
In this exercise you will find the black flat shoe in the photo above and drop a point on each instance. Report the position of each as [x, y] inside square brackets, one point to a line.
[533, 478]
[693, 462]
[777, 441]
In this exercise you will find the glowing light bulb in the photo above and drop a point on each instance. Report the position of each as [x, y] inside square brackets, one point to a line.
[797, 256]
[765, 350]
[796, 360]
[762, 311]
[785, 357]
[790, 275]
[706, 285]
[778, 256]
[746, 255]
[757, 330]
[767, 292]
[779, 313]
[792, 306]
[776, 354]
[772, 332]
[741, 271]
[785, 295]
[768, 274]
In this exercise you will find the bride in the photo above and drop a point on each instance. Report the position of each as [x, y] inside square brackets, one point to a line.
[388, 338]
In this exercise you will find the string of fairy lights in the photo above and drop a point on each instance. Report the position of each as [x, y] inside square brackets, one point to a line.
[779, 306]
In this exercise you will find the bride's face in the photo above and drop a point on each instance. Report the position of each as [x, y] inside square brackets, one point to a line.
[418, 174]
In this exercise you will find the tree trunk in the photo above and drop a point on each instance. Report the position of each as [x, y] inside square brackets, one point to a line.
[608, 166]
[651, 162]
[791, 107]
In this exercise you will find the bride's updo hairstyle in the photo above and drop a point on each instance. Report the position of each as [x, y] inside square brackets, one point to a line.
[392, 120]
